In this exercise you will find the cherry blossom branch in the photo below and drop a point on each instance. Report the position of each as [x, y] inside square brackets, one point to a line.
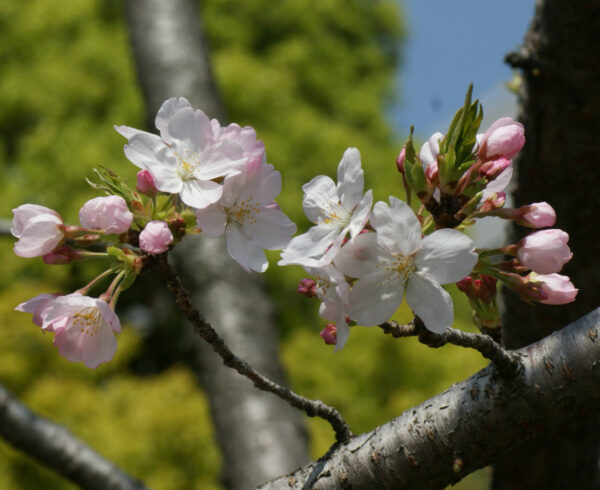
[311, 407]
[471, 424]
[55, 447]
[508, 364]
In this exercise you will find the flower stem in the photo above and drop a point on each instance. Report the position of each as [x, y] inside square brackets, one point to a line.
[204, 329]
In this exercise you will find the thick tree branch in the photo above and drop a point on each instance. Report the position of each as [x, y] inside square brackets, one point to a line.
[471, 424]
[55, 447]
[203, 329]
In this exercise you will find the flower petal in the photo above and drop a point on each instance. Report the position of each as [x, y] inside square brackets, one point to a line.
[318, 194]
[351, 181]
[303, 249]
[245, 252]
[272, 229]
[361, 214]
[212, 220]
[200, 193]
[430, 302]
[398, 228]
[375, 298]
[447, 255]
[359, 257]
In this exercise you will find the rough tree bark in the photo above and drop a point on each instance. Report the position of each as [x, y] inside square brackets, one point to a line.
[260, 436]
[55, 447]
[472, 423]
[560, 108]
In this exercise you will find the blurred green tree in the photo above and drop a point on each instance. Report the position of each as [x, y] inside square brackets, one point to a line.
[313, 77]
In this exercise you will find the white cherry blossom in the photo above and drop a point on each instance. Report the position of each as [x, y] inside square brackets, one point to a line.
[396, 259]
[249, 217]
[335, 209]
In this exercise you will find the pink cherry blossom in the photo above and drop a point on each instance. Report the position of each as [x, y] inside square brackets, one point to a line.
[559, 290]
[545, 251]
[84, 328]
[156, 237]
[145, 183]
[39, 230]
[109, 213]
[536, 215]
[187, 158]
[504, 138]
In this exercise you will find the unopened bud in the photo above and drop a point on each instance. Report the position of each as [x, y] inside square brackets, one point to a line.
[329, 334]
[400, 160]
[307, 287]
[492, 169]
[145, 183]
[60, 256]
[536, 215]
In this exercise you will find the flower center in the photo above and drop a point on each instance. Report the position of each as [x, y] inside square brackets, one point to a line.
[337, 215]
[88, 321]
[404, 265]
[244, 212]
[187, 162]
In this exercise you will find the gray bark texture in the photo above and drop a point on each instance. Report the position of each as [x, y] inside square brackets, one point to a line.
[471, 424]
[560, 109]
[55, 447]
[260, 436]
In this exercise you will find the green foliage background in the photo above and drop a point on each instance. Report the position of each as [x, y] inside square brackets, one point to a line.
[313, 77]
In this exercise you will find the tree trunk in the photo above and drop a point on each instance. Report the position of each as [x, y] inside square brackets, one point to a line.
[260, 436]
[560, 109]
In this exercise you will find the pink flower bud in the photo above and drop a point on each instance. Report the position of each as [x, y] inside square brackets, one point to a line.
[307, 287]
[492, 169]
[145, 183]
[39, 230]
[110, 214]
[545, 251]
[483, 287]
[536, 215]
[329, 334]
[400, 160]
[61, 255]
[559, 290]
[156, 237]
[504, 138]
[492, 203]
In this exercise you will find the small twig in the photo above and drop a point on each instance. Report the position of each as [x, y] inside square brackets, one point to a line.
[398, 330]
[508, 365]
[204, 329]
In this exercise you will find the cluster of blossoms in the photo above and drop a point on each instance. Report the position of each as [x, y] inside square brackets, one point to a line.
[364, 261]
[195, 177]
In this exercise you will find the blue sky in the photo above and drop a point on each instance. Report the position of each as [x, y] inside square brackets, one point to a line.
[450, 44]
